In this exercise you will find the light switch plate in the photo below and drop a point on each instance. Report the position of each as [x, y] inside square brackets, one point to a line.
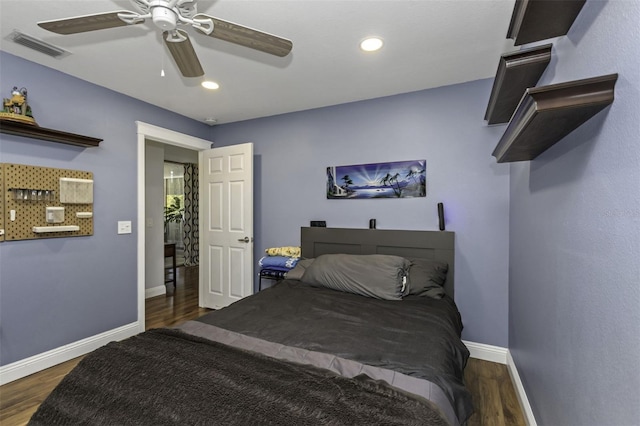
[124, 227]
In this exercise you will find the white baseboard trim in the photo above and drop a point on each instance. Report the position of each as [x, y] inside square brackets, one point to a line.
[521, 394]
[154, 291]
[487, 352]
[27, 366]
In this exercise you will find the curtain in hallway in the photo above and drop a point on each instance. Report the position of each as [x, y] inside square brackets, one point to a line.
[190, 228]
[173, 204]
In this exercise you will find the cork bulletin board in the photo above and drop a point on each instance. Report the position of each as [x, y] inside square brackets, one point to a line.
[27, 194]
[2, 203]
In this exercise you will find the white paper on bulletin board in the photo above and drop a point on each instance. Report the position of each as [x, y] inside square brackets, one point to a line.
[76, 191]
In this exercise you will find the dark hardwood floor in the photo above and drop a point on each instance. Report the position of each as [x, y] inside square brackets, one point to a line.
[176, 306]
[493, 393]
[494, 396]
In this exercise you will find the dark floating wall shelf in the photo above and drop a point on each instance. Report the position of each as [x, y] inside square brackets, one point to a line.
[547, 114]
[37, 132]
[517, 71]
[534, 20]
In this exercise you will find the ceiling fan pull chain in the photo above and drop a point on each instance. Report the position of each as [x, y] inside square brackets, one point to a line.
[162, 64]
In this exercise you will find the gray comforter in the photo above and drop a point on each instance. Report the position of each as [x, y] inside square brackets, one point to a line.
[168, 377]
[417, 336]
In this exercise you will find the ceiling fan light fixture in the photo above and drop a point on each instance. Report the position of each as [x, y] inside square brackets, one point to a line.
[164, 18]
[211, 85]
[371, 44]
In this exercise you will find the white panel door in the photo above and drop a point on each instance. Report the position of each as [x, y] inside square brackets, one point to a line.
[226, 225]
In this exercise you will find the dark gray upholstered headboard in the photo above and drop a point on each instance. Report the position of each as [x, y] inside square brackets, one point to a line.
[437, 245]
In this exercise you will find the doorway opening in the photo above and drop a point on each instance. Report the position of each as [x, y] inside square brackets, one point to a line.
[168, 139]
[174, 201]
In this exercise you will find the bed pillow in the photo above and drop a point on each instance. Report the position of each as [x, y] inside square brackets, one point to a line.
[376, 275]
[427, 277]
[298, 271]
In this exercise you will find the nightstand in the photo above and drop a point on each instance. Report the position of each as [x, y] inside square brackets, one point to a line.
[270, 274]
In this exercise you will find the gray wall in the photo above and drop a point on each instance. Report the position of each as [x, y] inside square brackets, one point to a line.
[444, 126]
[57, 291]
[154, 216]
[574, 322]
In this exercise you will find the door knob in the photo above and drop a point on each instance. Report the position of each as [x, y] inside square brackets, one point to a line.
[244, 240]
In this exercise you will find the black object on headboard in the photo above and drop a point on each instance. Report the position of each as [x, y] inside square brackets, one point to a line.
[441, 216]
[421, 244]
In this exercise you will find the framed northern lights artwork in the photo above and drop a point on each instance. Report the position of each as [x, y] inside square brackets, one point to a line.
[399, 179]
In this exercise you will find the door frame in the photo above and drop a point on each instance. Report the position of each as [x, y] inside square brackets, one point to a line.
[148, 132]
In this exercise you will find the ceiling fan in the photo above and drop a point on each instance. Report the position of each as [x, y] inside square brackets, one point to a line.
[167, 15]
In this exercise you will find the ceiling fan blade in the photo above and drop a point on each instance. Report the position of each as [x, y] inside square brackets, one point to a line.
[245, 36]
[183, 53]
[81, 24]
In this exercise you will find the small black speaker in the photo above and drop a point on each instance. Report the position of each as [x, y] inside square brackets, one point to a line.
[319, 223]
[441, 216]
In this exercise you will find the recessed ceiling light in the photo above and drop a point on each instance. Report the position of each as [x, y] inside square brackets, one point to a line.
[211, 85]
[371, 44]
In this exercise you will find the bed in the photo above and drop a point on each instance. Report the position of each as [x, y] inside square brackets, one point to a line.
[332, 344]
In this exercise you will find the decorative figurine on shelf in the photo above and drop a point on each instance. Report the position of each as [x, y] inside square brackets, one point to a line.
[16, 108]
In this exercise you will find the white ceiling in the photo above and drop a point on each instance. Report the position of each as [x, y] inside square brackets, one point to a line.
[428, 43]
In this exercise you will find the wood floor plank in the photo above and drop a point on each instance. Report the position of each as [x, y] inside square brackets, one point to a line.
[493, 394]
[513, 413]
[494, 397]
[21, 398]
[472, 381]
[490, 393]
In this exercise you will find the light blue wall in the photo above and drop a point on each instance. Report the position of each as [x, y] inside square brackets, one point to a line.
[444, 126]
[57, 291]
[568, 221]
[574, 328]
